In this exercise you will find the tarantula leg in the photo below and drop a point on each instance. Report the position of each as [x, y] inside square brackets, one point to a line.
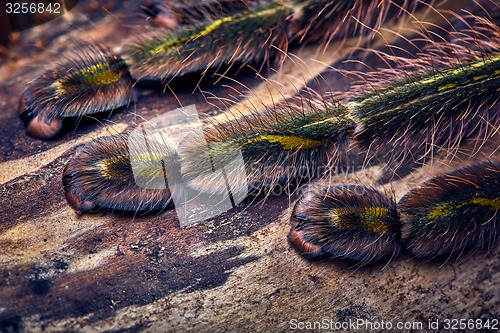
[104, 174]
[173, 14]
[452, 212]
[93, 81]
[346, 221]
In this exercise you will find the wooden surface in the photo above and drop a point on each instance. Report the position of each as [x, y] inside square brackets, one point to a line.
[236, 272]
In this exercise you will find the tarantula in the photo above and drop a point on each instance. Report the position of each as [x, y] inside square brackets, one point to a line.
[436, 102]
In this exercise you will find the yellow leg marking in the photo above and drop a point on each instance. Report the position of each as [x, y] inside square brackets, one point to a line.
[494, 204]
[288, 142]
[369, 218]
[214, 26]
